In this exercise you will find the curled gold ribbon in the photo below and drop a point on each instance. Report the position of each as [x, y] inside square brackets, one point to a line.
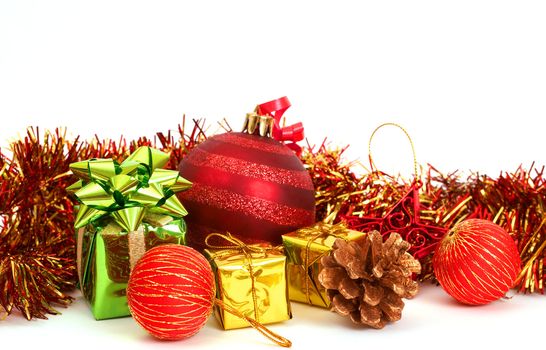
[266, 332]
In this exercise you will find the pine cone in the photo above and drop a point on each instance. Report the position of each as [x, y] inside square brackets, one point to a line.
[367, 279]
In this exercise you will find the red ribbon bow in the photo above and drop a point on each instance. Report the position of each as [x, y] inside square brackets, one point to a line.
[289, 135]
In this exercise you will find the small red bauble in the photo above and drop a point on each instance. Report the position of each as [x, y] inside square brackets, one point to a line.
[251, 186]
[477, 262]
[171, 291]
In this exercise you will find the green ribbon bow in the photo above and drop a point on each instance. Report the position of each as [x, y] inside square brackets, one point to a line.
[127, 191]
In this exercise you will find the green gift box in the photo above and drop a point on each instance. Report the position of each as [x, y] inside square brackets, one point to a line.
[125, 209]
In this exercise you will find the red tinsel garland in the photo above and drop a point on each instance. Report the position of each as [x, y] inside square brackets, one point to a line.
[37, 265]
[37, 248]
[516, 201]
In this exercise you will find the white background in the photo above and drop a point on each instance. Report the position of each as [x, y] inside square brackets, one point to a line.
[467, 79]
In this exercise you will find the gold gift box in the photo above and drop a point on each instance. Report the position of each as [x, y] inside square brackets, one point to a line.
[252, 282]
[304, 248]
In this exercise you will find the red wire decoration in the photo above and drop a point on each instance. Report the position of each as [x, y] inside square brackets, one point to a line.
[404, 218]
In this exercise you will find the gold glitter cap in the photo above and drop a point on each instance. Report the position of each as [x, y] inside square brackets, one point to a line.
[259, 124]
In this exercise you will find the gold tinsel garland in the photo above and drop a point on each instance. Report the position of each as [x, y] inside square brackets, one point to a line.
[516, 201]
[37, 266]
[37, 248]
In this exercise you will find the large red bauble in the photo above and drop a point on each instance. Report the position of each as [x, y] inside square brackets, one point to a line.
[477, 262]
[171, 291]
[251, 186]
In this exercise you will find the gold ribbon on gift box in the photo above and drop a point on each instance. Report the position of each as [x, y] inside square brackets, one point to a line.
[319, 231]
[304, 249]
[237, 247]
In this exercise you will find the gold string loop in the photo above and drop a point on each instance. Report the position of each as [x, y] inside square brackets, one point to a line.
[274, 337]
[372, 164]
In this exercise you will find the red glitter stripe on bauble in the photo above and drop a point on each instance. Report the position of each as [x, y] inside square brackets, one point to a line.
[243, 185]
[256, 142]
[256, 207]
[282, 161]
[299, 179]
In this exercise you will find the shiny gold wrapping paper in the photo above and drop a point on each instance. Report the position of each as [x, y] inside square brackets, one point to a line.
[262, 295]
[304, 248]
